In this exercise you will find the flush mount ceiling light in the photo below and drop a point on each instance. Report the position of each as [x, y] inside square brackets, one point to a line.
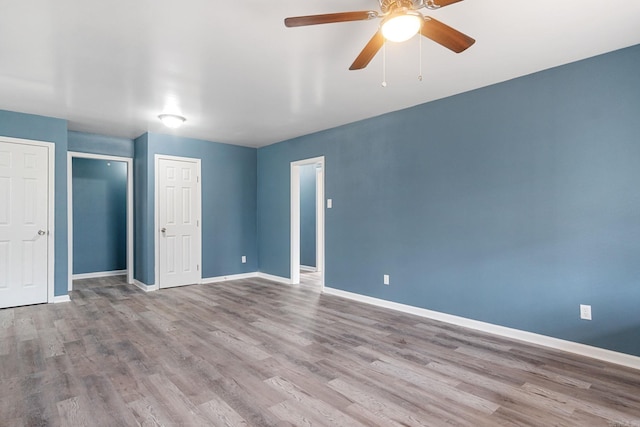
[401, 25]
[172, 121]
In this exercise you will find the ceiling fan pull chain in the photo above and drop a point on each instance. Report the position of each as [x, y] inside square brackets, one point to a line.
[420, 58]
[384, 64]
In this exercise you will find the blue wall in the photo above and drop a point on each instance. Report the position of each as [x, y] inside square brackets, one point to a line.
[100, 144]
[143, 216]
[99, 215]
[511, 204]
[39, 128]
[228, 203]
[308, 215]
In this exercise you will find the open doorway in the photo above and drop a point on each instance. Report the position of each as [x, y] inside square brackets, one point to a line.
[100, 216]
[307, 220]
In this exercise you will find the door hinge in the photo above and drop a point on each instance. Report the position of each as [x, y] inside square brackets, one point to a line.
[197, 223]
[197, 178]
[198, 267]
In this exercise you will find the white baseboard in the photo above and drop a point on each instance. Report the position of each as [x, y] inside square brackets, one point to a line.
[98, 274]
[218, 279]
[144, 287]
[150, 288]
[273, 278]
[61, 298]
[529, 337]
[308, 268]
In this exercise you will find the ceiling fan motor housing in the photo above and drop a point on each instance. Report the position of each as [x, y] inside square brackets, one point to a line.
[388, 6]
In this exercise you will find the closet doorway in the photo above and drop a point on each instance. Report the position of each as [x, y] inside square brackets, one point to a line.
[100, 216]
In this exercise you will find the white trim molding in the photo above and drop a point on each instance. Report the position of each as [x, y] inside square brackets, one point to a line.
[98, 274]
[516, 334]
[146, 288]
[219, 279]
[308, 268]
[294, 218]
[61, 298]
[273, 278]
[206, 281]
[320, 224]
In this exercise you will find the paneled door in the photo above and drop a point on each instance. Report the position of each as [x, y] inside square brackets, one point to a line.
[24, 234]
[178, 222]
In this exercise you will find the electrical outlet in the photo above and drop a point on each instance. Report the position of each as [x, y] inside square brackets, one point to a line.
[585, 312]
[244, 259]
[385, 279]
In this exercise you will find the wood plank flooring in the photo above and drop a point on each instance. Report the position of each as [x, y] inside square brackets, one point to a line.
[257, 353]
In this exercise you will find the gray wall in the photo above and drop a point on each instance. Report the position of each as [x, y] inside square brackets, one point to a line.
[510, 204]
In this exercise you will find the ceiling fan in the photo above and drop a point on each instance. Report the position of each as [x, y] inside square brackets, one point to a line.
[400, 21]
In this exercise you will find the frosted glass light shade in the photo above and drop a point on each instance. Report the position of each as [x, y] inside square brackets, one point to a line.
[401, 26]
[172, 120]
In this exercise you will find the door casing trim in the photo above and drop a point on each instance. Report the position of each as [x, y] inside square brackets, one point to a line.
[130, 232]
[294, 219]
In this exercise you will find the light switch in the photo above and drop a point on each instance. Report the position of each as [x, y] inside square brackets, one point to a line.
[329, 203]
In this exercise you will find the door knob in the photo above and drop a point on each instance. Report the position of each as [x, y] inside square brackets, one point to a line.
[41, 232]
[164, 230]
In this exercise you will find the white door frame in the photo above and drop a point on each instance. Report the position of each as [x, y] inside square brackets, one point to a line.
[320, 221]
[295, 218]
[129, 161]
[156, 233]
[51, 154]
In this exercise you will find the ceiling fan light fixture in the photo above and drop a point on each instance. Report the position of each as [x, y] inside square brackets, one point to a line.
[172, 121]
[401, 25]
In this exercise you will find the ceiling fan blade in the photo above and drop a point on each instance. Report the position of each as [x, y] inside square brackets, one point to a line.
[329, 18]
[368, 52]
[437, 4]
[445, 35]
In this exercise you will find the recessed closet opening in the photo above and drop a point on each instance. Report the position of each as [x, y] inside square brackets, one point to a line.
[100, 217]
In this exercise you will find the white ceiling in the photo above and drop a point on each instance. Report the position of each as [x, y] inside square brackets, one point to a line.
[241, 77]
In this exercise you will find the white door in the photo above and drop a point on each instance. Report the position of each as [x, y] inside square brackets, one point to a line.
[178, 222]
[24, 222]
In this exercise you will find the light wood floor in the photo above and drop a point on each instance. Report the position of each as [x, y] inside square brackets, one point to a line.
[257, 353]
